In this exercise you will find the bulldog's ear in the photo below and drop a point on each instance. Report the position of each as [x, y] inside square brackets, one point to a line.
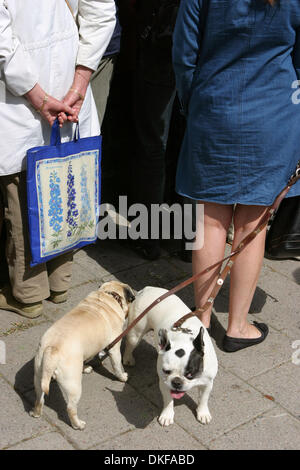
[129, 294]
[199, 343]
[164, 341]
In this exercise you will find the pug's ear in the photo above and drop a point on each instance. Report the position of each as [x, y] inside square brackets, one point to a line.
[199, 343]
[164, 341]
[129, 294]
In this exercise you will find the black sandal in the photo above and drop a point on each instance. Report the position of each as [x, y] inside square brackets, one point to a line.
[235, 344]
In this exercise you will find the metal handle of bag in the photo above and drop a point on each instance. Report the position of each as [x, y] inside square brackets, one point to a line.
[76, 132]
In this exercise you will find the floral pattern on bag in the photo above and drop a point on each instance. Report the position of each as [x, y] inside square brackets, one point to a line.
[67, 200]
[85, 213]
[72, 207]
[55, 211]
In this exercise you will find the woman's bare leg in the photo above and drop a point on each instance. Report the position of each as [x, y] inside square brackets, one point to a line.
[217, 219]
[245, 271]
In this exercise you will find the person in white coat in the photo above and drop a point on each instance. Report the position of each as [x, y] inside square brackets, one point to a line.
[48, 52]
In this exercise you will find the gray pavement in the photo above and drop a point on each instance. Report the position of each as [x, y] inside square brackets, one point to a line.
[255, 402]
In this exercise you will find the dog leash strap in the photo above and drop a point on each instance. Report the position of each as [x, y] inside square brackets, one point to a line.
[230, 261]
[186, 283]
[161, 298]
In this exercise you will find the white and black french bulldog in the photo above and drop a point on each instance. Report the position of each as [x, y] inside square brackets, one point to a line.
[186, 357]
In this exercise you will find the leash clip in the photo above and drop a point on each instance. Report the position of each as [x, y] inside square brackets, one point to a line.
[295, 176]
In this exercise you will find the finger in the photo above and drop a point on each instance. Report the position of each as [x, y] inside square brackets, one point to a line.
[51, 119]
[70, 99]
[73, 118]
[67, 109]
[63, 116]
[61, 121]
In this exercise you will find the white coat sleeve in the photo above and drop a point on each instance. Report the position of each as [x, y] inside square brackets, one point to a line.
[16, 68]
[96, 20]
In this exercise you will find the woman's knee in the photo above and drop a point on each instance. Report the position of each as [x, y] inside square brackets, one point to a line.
[247, 218]
[218, 216]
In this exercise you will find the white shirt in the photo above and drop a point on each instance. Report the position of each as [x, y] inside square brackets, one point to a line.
[40, 43]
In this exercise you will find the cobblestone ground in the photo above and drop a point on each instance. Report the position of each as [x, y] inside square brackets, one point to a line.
[255, 402]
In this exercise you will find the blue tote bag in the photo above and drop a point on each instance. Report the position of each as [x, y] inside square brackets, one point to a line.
[63, 195]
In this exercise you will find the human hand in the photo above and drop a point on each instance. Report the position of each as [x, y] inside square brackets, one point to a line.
[49, 107]
[75, 96]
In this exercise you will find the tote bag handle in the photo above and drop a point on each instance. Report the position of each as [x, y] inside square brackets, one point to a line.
[55, 134]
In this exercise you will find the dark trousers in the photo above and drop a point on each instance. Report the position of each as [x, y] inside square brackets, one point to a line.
[28, 284]
[154, 98]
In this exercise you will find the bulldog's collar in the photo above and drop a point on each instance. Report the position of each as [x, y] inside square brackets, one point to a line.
[116, 296]
[183, 330]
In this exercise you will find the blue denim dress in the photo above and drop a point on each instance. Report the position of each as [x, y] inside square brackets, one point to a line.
[237, 63]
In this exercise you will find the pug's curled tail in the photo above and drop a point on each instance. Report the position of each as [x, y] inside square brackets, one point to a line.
[49, 363]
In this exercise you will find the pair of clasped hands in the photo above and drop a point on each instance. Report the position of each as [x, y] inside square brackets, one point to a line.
[68, 108]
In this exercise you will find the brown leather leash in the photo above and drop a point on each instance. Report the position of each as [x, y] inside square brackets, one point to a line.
[222, 275]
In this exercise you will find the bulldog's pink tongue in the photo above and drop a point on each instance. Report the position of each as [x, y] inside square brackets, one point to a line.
[177, 395]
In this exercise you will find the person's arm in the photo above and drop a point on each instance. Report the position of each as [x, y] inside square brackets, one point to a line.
[16, 68]
[19, 74]
[97, 20]
[186, 47]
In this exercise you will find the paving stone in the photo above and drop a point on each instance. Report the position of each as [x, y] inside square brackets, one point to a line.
[232, 402]
[47, 441]
[275, 350]
[157, 273]
[108, 407]
[124, 416]
[272, 383]
[21, 348]
[143, 375]
[107, 256]
[274, 430]
[86, 268]
[15, 422]
[282, 307]
[11, 322]
[153, 437]
[289, 268]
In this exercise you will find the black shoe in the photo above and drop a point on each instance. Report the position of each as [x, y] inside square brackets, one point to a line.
[235, 344]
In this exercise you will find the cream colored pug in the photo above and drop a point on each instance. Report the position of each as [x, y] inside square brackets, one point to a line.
[76, 338]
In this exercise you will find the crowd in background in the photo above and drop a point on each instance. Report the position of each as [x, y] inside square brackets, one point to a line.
[143, 126]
